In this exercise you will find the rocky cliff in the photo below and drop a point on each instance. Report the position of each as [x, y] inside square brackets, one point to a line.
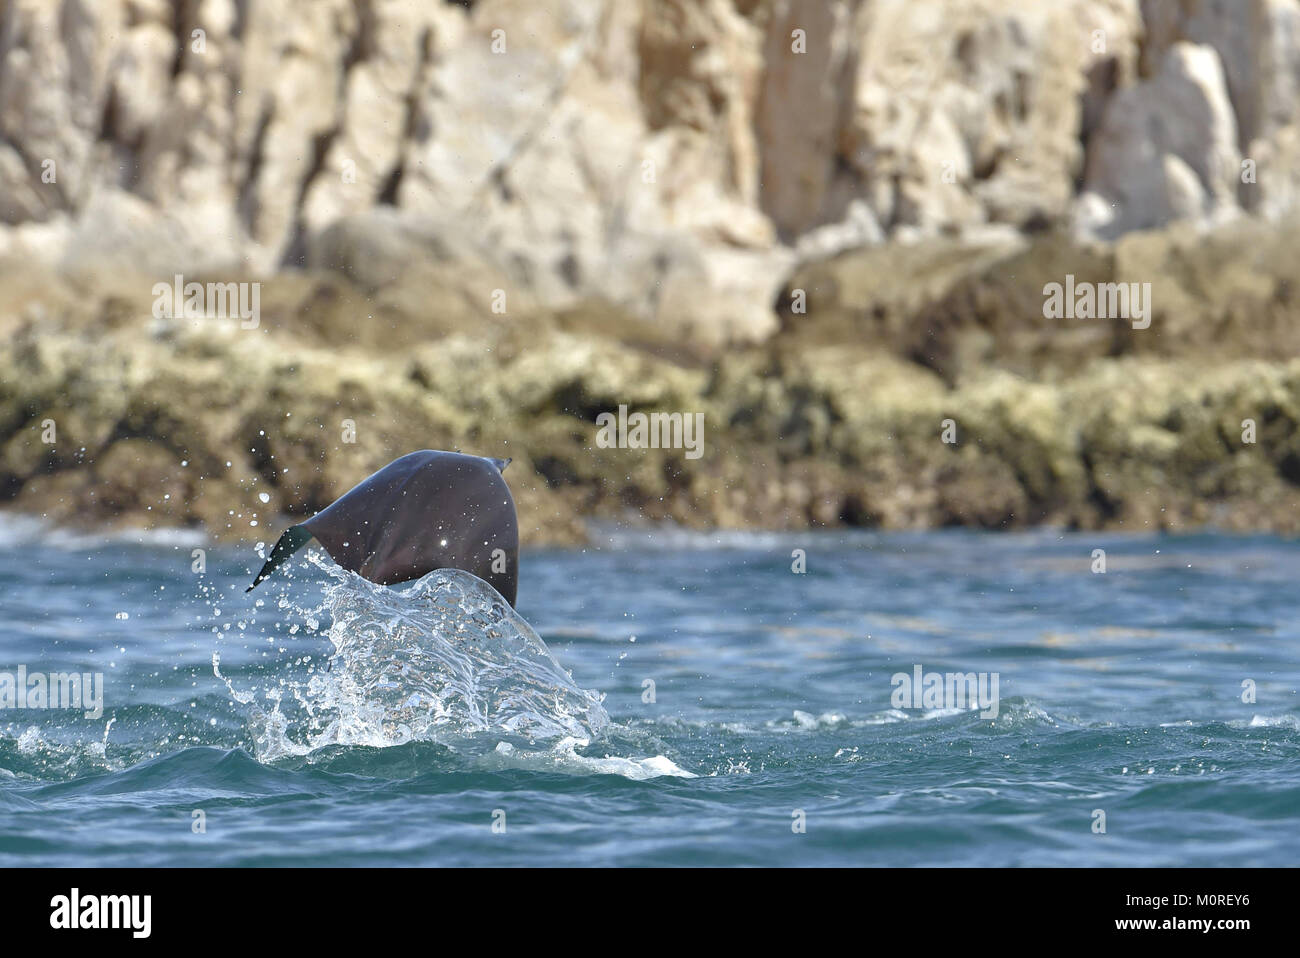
[827, 224]
[673, 157]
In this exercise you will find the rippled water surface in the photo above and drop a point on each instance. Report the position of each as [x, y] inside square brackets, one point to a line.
[661, 698]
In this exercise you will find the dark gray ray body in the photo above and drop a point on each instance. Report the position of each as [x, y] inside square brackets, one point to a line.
[427, 510]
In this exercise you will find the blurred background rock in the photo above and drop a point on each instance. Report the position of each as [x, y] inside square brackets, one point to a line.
[826, 224]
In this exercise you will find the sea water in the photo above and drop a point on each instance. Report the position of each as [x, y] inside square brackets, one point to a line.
[660, 698]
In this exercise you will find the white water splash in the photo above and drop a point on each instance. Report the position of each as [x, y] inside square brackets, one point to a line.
[1269, 721]
[444, 659]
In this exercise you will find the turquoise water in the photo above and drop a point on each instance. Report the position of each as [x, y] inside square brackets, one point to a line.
[439, 718]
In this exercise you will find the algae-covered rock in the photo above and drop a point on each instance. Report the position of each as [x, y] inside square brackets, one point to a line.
[922, 387]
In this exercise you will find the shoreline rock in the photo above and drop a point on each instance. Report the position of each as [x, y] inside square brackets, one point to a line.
[836, 420]
[826, 225]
